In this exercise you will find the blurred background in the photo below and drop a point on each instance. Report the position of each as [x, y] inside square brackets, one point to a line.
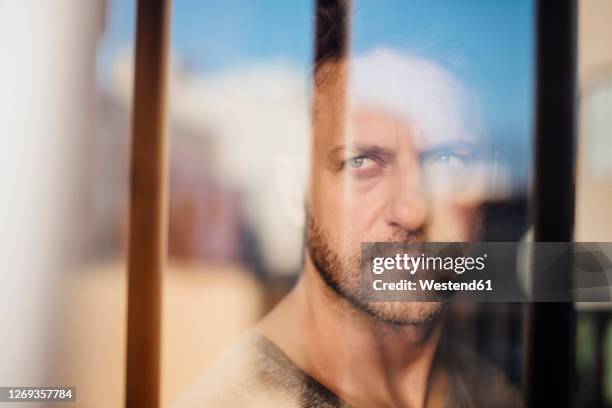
[239, 127]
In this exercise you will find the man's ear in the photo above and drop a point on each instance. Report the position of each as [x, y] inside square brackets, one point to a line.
[291, 190]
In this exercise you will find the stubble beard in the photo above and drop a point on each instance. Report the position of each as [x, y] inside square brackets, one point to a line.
[341, 275]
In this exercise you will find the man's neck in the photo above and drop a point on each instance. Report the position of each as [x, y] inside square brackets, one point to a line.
[364, 361]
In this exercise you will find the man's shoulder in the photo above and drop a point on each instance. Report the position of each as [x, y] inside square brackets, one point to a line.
[476, 382]
[233, 380]
[254, 372]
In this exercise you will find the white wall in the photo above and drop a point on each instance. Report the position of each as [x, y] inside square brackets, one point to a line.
[47, 84]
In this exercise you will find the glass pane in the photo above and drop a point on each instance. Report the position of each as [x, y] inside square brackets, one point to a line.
[239, 139]
[412, 124]
[422, 130]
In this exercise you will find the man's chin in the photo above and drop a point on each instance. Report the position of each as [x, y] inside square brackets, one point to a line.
[406, 313]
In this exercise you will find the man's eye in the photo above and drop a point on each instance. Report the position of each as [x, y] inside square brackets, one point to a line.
[363, 167]
[360, 162]
[446, 162]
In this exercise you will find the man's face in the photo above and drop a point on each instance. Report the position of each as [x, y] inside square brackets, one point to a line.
[378, 176]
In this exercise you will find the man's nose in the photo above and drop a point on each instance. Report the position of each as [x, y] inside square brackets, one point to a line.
[407, 207]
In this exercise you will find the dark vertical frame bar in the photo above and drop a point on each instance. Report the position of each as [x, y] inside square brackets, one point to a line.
[550, 345]
[148, 204]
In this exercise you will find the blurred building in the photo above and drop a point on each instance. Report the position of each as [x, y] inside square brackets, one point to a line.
[229, 225]
[231, 137]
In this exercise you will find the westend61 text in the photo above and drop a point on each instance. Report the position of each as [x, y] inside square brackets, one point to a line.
[433, 285]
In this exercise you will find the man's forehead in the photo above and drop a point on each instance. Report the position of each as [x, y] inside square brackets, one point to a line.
[386, 90]
[369, 125]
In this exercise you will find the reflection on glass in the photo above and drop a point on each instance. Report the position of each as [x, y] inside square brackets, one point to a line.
[401, 150]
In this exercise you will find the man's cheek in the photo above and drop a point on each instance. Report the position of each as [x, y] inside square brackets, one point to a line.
[472, 221]
[363, 187]
[462, 209]
[452, 221]
[325, 189]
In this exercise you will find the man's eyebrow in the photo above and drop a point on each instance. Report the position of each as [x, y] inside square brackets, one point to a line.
[460, 145]
[360, 149]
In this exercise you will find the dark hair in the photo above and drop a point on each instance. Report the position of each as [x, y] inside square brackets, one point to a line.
[332, 31]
